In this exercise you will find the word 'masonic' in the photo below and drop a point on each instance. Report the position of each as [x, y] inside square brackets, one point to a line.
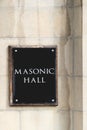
[34, 71]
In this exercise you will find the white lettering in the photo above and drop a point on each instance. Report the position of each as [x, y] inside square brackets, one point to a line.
[33, 80]
[35, 71]
[51, 71]
[30, 71]
[25, 71]
[26, 80]
[18, 71]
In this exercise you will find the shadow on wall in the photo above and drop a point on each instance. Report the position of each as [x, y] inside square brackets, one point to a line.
[70, 64]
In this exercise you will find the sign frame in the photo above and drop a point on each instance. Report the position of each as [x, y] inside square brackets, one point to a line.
[10, 69]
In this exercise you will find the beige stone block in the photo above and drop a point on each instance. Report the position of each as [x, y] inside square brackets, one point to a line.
[64, 84]
[65, 57]
[48, 41]
[9, 120]
[85, 120]
[78, 57]
[4, 43]
[46, 23]
[56, 3]
[28, 41]
[27, 23]
[84, 2]
[77, 24]
[40, 41]
[44, 41]
[69, 57]
[28, 3]
[8, 3]
[45, 120]
[46, 3]
[60, 2]
[37, 120]
[4, 92]
[78, 121]
[52, 41]
[7, 22]
[77, 94]
[62, 120]
[61, 22]
[55, 21]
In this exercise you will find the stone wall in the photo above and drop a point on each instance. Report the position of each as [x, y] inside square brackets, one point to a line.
[77, 79]
[43, 22]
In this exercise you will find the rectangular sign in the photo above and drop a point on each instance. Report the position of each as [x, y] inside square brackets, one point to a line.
[33, 75]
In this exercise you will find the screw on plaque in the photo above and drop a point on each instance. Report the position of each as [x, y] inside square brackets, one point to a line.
[52, 50]
[16, 50]
[52, 100]
[16, 100]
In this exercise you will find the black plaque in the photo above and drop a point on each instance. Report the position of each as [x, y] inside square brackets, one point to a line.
[33, 74]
